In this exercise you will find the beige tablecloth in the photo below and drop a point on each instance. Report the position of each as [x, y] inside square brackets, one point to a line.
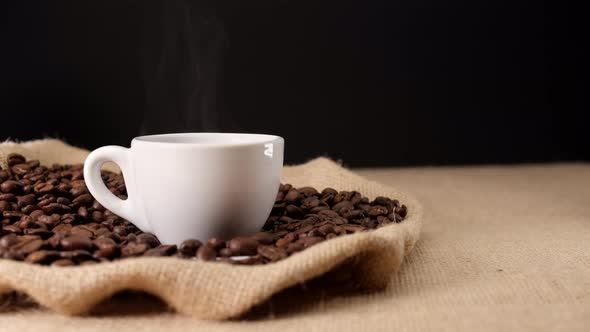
[502, 248]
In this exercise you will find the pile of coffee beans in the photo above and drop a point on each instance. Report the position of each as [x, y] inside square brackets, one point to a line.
[48, 217]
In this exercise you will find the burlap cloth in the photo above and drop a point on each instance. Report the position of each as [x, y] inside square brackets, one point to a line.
[212, 290]
[501, 249]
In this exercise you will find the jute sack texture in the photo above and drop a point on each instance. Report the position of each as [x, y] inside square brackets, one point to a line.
[211, 290]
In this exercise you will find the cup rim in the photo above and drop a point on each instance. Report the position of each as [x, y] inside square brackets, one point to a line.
[249, 139]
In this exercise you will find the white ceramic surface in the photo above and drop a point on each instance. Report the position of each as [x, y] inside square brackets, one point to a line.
[192, 185]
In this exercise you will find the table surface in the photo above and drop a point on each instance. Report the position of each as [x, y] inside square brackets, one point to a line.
[502, 248]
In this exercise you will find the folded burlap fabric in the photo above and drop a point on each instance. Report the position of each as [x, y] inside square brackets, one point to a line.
[216, 290]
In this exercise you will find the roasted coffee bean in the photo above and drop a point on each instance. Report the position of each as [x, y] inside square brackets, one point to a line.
[97, 216]
[15, 158]
[63, 262]
[10, 186]
[43, 188]
[134, 249]
[271, 252]
[225, 252]
[43, 233]
[7, 197]
[8, 240]
[294, 211]
[284, 187]
[215, 243]
[283, 242]
[243, 246]
[12, 229]
[30, 208]
[79, 190]
[82, 231]
[42, 257]
[205, 253]
[189, 247]
[84, 199]
[309, 203]
[107, 247]
[76, 242]
[164, 250]
[27, 247]
[148, 239]
[294, 247]
[291, 196]
[25, 200]
[33, 163]
[12, 214]
[263, 237]
[5, 206]
[377, 210]
[310, 241]
[120, 230]
[402, 211]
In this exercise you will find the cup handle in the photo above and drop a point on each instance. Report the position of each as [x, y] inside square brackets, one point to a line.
[123, 208]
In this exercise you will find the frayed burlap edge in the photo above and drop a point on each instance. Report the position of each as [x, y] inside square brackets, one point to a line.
[214, 290]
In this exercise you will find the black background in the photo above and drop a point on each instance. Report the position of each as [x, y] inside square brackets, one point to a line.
[373, 83]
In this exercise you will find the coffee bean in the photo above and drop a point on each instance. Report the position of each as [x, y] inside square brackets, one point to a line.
[77, 256]
[120, 230]
[12, 229]
[10, 186]
[263, 237]
[12, 215]
[7, 197]
[205, 253]
[189, 247]
[291, 196]
[43, 233]
[226, 252]
[271, 252]
[294, 211]
[310, 241]
[42, 257]
[148, 239]
[215, 243]
[77, 191]
[14, 159]
[81, 231]
[309, 203]
[402, 211]
[107, 247]
[163, 250]
[284, 187]
[8, 240]
[76, 242]
[97, 216]
[243, 246]
[14, 255]
[283, 242]
[377, 210]
[27, 247]
[84, 199]
[134, 249]
[4, 206]
[294, 247]
[25, 200]
[33, 163]
[43, 188]
[63, 262]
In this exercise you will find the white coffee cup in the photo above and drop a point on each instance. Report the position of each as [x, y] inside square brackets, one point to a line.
[192, 185]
